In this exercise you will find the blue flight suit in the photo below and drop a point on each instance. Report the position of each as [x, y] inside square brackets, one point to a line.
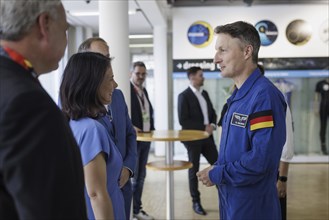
[249, 156]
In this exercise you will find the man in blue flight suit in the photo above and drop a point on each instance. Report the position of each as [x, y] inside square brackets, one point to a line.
[123, 132]
[253, 134]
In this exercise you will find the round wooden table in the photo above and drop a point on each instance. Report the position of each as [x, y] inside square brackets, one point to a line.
[169, 165]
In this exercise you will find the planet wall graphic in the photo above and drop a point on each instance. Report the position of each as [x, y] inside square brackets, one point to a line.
[324, 31]
[268, 32]
[200, 34]
[298, 32]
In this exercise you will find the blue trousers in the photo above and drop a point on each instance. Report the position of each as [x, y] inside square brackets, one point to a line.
[127, 196]
[143, 149]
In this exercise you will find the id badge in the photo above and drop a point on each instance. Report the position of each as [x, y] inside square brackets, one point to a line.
[146, 117]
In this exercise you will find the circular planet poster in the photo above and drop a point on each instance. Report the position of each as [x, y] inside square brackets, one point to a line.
[268, 32]
[200, 34]
[298, 32]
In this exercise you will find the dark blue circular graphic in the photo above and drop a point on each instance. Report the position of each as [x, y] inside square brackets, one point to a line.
[268, 32]
[200, 34]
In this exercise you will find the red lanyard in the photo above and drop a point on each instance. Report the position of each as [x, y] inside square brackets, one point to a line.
[141, 97]
[19, 59]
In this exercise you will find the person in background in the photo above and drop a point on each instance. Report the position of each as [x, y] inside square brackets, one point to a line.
[41, 174]
[143, 121]
[253, 133]
[124, 134]
[86, 88]
[196, 112]
[321, 107]
[286, 156]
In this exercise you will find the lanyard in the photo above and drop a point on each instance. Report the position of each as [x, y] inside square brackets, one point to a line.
[141, 97]
[18, 58]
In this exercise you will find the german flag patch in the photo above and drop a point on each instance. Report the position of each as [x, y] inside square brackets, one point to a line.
[263, 119]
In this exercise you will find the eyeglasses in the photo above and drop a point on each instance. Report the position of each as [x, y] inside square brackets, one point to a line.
[140, 74]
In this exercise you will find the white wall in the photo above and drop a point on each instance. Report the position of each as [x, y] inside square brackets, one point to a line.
[280, 15]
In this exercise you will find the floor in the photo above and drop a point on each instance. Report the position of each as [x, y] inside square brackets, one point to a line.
[308, 195]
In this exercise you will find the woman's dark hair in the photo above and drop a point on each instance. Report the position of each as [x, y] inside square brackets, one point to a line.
[81, 80]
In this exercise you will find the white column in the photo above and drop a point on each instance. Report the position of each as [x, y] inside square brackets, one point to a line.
[114, 29]
[76, 35]
[161, 109]
[51, 82]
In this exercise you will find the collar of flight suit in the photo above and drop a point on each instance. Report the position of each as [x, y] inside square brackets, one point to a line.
[246, 86]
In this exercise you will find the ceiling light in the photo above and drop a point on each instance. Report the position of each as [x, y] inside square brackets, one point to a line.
[140, 45]
[93, 13]
[84, 13]
[132, 12]
[140, 36]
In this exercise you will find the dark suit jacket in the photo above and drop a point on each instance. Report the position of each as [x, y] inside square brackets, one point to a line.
[125, 135]
[189, 110]
[136, 111]
[41, 174]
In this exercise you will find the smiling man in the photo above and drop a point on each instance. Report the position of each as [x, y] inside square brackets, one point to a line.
[253, 132]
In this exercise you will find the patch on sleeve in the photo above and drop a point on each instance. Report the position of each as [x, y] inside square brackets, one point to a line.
[263, 119]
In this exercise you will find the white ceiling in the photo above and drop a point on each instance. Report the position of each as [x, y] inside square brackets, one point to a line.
[154, 12]
[140, 22]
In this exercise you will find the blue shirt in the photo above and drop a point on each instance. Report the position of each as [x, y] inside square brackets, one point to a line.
[93, 139]
[251, 143]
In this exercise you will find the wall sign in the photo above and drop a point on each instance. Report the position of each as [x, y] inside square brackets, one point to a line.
[298, 32]
[274, 67]
[268, 32]
[200, 34]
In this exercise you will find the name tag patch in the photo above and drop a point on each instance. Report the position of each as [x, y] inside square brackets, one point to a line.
[239, 120]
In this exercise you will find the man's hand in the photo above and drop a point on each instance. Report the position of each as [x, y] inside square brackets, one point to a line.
[209, 129]
[203, 176]
[137, 129]
[124, 177]
[282, 189]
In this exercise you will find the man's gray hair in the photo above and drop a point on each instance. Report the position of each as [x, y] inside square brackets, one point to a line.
[18, 16]
[85, 46]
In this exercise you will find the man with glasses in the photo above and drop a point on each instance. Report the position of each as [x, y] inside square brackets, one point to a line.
[142, 119]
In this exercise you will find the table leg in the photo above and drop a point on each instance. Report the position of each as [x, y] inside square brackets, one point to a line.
[170, 181]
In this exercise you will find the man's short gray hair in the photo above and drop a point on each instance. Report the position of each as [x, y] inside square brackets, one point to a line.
[18, 16]
[85, 46]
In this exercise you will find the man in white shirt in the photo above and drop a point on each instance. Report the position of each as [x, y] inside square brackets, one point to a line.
[196, 112]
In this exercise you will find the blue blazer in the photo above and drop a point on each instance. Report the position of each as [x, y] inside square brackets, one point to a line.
[136, 111]
[125, 135]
